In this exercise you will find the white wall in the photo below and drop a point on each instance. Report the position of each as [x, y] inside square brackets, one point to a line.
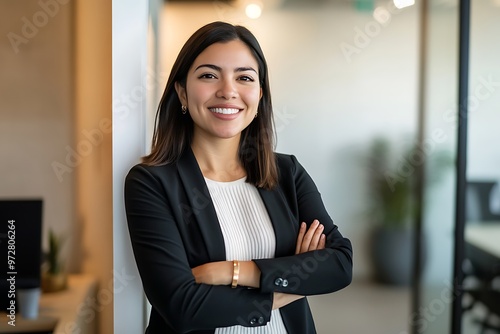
[130, 94]
[327, 108]
[484, 158]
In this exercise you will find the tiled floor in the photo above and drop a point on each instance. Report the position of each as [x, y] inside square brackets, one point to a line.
[363, 307]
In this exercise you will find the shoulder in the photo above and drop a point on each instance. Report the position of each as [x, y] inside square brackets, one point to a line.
[151, 174]
[291, 172]
[142, 168]
[287, 162]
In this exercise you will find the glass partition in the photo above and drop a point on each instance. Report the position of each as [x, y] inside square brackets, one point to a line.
[480, 301]
[482, 231]
[439, 142]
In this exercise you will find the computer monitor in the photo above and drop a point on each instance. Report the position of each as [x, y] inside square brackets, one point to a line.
[20, 245]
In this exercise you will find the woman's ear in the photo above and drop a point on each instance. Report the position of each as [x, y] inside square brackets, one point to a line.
[181, 93]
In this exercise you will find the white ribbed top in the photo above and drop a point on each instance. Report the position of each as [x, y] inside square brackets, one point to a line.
[248, 234]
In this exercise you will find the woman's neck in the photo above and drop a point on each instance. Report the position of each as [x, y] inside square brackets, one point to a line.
[219, 160]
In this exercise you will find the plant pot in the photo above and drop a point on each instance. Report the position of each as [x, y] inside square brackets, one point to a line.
[392, 253]
[54, 282]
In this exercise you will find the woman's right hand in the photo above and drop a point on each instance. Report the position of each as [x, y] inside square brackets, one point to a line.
[307, 240]
[311, 239]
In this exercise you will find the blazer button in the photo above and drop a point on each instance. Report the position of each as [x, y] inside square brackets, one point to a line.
[261, 320]
[253, 321]
[278, 281]
[285, 283]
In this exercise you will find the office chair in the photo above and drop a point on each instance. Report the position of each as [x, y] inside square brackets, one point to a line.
[482, 201]
[482, 270]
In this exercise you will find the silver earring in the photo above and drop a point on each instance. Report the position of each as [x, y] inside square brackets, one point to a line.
[184, 110]
[256, 114]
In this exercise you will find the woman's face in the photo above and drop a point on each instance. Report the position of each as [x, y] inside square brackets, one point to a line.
[222, 90]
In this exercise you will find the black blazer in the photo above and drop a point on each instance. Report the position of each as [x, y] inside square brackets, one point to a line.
[173, 228]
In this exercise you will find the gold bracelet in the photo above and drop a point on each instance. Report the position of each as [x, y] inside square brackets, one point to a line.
[236, 273]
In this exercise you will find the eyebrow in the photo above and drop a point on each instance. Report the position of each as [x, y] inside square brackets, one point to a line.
[219, 69]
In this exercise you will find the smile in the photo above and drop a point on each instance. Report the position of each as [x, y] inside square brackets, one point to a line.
[225, 111]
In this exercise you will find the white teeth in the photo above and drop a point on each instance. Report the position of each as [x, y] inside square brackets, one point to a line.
[225, 111]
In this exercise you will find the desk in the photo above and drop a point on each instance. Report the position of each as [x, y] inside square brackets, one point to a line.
[485, 236]
[482, 243]
[63, 312]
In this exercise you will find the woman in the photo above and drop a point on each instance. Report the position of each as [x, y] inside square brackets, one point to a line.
[228, 236]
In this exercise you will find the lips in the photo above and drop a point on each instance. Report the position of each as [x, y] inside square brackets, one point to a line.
[224, 111]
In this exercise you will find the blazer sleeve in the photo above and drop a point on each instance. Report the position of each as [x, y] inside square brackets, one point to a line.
[315, 272]
[166, 274]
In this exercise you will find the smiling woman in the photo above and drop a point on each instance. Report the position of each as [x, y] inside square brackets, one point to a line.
[228, 236]
[224, 91]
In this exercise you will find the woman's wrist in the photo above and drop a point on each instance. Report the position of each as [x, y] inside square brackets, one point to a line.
[282, 299]
[249, 274]
[236, 273]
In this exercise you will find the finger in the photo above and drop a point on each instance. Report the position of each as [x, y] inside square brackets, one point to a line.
[196, 274]
[309, 236]
[322, 242]
[316, 238]
[300, 237]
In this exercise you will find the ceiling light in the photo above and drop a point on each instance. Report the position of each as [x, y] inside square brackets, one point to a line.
[253, 10]
[403, 3]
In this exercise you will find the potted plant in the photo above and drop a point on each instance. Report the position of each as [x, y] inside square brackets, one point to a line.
[54, 278]
[392, 182]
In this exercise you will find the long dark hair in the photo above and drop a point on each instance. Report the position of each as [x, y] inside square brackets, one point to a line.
[174, 131]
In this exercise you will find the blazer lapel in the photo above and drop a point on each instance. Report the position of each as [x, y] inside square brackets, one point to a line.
[202, 205]
[284, 224]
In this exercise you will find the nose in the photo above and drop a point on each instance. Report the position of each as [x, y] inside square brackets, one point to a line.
[227, 89]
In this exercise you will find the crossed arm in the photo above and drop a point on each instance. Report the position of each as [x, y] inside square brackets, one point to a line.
[157, 234]
[221, 272]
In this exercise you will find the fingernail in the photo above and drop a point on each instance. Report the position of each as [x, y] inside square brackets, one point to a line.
[303, 225]
[321, 227]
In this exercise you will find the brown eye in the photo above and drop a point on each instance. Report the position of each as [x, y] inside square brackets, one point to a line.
[246, 78]
[207, 76]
